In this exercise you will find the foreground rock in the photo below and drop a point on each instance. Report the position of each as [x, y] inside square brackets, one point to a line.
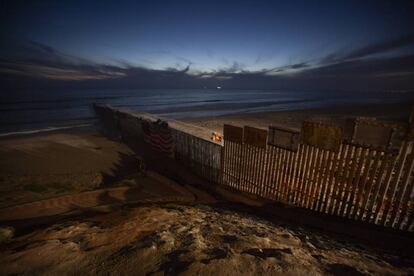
[173, 239]
[6, 234]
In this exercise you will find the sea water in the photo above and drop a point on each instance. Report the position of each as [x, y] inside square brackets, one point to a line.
[31, 111]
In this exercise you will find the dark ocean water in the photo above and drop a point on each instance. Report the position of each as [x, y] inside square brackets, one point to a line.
[38, 111]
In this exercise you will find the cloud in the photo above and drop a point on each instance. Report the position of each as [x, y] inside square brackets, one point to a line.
[381, 47]
[288, 68]
[42, 48]
[369, 50]
[235, 67]
[36, 60]
[364, 68]
[175, 69]
[38, 65]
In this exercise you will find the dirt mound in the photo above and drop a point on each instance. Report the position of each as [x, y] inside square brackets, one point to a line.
[173, 239]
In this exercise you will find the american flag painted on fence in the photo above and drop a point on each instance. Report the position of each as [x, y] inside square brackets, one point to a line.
[158, 134]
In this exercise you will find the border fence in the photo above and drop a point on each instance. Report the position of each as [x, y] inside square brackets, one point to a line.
[201, 155]
[363, 171]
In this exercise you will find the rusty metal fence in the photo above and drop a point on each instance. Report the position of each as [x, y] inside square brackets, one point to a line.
[201, 156]
[355, 172]
[317, 169]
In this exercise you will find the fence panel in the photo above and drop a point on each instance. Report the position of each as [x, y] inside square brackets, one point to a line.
[355, 181]
[350, 177]
[202, 156]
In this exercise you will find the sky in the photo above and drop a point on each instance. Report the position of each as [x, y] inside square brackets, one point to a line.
[333, 45]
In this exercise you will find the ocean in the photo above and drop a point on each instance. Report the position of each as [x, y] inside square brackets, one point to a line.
[27, 112]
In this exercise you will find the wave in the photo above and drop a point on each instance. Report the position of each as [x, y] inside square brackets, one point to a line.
[167, 103]
[51, 108]
[47, 129]
[59, 121]
[71, 99]
[233, 105]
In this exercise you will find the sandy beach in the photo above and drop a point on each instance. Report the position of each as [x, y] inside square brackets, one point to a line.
[335, 115]
[60, 172]
[46, 165]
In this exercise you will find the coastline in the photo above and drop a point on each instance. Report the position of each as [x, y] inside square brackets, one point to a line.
[40, 165]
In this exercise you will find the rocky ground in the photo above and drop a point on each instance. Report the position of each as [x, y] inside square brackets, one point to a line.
[170, 239]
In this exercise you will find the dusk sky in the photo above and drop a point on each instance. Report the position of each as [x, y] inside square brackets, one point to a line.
[365, 45]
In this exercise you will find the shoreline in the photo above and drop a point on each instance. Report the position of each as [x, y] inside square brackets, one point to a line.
[335, 114]
[83, 128]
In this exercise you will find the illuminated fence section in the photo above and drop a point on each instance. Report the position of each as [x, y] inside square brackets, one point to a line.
[202, 156]
[325, 173]
[353, 172]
